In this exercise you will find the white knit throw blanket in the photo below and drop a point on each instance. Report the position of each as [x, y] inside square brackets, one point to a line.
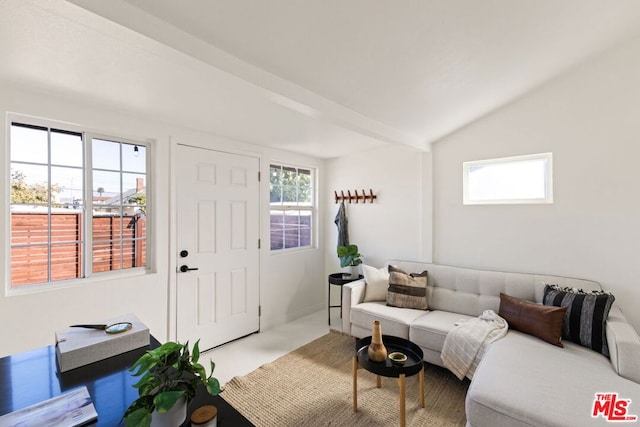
[467, 342]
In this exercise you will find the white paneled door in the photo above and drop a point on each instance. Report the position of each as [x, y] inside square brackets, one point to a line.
[218, 255]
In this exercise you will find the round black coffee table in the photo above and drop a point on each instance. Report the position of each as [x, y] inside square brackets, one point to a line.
[413, 365]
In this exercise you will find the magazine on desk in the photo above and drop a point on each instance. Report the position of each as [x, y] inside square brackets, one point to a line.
[70, 409]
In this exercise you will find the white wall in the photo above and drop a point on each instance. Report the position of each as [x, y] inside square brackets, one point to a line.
[398, 224]
[590, 120]
[291, 284]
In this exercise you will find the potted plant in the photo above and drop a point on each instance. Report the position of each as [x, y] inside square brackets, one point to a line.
[350, 257]
[170, 376]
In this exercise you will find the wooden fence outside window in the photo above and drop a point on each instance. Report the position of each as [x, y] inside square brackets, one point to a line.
[118, 243]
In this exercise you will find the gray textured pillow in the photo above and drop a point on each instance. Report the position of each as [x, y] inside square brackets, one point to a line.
[407, 290]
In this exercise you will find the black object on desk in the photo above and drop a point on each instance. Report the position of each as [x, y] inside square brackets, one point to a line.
[32, 377]
[339, 279]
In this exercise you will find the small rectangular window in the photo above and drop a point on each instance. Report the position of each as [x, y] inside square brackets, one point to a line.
[292, 207]
[508, 180]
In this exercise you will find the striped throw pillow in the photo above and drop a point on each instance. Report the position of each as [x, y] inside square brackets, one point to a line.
[586, 315]
[407, 290]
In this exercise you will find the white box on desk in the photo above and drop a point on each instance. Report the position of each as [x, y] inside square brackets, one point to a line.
[77, 347]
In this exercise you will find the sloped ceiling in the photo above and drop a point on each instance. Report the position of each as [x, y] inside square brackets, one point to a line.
[323, 78]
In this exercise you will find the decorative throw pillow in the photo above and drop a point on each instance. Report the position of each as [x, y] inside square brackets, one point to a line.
[407, 290]
[539, 320]
[587, 312]
[377, 283]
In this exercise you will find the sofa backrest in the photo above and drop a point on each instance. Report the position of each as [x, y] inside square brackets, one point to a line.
[470, 291]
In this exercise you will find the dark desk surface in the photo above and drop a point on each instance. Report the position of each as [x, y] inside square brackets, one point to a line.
[32, 377]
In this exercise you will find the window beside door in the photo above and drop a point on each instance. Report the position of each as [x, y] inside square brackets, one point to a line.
[291, 207]
[78, 203]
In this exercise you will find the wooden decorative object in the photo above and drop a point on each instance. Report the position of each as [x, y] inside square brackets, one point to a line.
[377, 351]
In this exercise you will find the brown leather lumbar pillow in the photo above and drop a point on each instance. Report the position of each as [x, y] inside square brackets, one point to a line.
[542, 321]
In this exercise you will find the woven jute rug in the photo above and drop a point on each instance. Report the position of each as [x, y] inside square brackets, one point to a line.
[312, 386]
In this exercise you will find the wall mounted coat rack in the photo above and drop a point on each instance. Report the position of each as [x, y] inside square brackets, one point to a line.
[357, 197]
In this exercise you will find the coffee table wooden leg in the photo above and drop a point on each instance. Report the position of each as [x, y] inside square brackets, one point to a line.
[378, 381]
[421, 377]
[355, 384]
[401, 385]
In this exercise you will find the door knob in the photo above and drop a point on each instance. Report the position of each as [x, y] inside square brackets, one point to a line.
[184, 253]
[185, 268]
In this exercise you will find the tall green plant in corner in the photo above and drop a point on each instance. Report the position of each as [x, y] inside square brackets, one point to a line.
[349, 256]
[169, 373]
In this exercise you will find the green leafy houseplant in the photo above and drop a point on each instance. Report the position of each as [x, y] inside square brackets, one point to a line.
[169, 373]
[349, 255]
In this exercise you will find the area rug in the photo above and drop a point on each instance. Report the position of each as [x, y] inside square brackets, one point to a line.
[312, 386]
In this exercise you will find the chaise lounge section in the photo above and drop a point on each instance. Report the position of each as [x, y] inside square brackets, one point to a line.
[521, 379]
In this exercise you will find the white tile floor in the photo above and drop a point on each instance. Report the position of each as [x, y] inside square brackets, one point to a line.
[247, 354]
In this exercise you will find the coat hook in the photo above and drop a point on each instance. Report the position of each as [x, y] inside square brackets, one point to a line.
[357, 196]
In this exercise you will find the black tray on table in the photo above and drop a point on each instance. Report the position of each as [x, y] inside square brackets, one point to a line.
[412, 366]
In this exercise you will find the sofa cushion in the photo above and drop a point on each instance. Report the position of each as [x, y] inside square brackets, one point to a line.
[471, 291]
[407, 290]
[377, 283]
[586, 315]
[431, 329]
[522, 381]
[542, 321]
[392, 320]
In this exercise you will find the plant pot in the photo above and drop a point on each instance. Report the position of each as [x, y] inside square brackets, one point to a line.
[354, 272]
[174, 417]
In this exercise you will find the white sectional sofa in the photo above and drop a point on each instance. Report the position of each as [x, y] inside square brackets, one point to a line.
[521, 380]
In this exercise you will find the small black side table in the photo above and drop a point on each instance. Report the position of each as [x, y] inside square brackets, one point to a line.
[339, 279]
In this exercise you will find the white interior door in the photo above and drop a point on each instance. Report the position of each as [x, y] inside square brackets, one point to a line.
[218, 232]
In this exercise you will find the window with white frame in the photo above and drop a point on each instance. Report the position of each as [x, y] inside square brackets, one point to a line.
[292, 207]
[78, 203]
[509, 180]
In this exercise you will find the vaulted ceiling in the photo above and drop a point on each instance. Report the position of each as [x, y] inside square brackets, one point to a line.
[320, 77]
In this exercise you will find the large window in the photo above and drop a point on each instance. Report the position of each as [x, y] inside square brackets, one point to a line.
[78, 203]
[291, 195]
[521, 179]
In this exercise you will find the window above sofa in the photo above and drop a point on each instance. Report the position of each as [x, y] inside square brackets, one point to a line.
[508, 180]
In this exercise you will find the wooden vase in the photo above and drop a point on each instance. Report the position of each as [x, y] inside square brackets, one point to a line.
[377, 351]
